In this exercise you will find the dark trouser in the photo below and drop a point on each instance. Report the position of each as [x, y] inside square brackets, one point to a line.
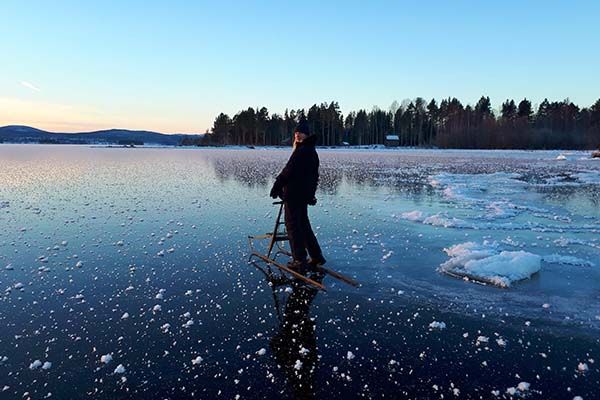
[300, 232]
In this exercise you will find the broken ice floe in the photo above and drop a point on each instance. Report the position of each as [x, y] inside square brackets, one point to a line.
[486, 263]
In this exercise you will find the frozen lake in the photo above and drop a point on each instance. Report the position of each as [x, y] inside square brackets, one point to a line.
[124, 275]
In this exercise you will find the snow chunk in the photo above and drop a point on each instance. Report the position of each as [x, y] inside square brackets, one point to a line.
[582, 367]
[35, 365]
[47, 365]
[261, 352]
[197, 360]
[482, 339]
[350, 355]
[125, 316]
[120, 369]
[437, 325]
[412, 215]
[105, 359]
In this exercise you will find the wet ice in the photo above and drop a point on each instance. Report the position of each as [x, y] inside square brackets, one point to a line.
[90, 238]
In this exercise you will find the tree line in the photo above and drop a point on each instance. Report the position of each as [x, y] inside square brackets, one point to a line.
[447, 124]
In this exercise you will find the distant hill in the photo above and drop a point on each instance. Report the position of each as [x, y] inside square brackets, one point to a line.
[27, 134]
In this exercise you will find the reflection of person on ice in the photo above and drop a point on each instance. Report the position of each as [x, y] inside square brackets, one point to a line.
[295, 344]
[296, 186]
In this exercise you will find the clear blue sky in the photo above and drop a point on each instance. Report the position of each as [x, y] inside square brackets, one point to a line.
[172, 66]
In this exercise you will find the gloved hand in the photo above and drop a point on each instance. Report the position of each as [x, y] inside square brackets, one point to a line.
[274, 192]
[313, 202]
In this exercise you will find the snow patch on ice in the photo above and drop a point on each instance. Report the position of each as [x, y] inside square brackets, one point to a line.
[567, 260]
[440, 220]
[413, 215]
[588, 177]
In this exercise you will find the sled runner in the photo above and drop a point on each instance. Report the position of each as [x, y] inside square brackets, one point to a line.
[275, 248]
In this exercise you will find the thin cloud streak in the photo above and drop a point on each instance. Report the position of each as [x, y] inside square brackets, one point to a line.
[31, 86]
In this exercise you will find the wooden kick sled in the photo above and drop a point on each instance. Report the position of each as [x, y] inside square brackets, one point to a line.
[275, 249]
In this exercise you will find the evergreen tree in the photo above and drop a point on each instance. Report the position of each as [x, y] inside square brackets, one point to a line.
[221, 130]
[509, 110]
[525, 110]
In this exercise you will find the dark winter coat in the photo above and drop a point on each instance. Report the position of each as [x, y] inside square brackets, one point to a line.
[297, 182]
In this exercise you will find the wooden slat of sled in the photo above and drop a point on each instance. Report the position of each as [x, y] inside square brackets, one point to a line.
[290, 271]
[339, 276]
[331, 272]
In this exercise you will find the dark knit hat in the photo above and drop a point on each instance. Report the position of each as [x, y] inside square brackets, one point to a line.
[302, 126]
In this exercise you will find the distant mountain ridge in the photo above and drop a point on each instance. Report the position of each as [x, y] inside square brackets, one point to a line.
[27, 134]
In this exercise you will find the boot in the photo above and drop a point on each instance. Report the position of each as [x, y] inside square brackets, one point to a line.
[297, 265]
[317, 261]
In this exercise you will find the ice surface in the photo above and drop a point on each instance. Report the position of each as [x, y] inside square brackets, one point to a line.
[161, 237]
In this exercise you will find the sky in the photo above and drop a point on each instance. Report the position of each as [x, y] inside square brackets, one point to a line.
[173, 66]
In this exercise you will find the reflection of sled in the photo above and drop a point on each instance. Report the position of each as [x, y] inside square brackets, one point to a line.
[275, 248]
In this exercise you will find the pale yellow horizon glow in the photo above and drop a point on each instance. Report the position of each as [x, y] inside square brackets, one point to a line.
[64, 118]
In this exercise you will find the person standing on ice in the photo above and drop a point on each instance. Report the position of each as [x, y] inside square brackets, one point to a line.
[296, 185]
